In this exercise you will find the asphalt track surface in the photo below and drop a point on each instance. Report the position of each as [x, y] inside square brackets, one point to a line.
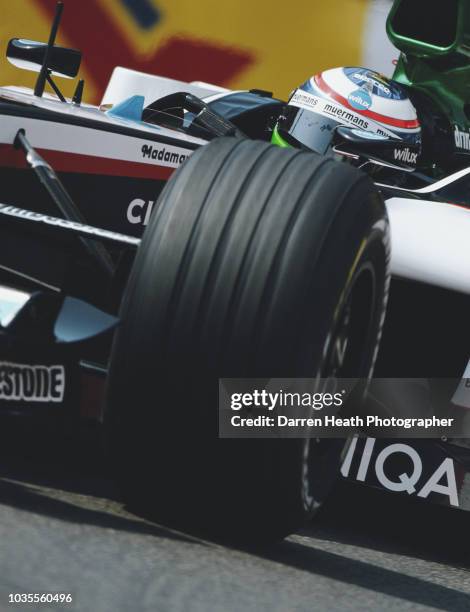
[62, 528]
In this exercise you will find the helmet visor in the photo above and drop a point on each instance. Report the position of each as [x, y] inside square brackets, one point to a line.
[308, 128]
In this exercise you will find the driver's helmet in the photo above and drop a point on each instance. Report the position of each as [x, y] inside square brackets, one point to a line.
[353, 97]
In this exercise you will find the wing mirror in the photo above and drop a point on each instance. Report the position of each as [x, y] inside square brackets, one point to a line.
[375, 147]
[30, 55]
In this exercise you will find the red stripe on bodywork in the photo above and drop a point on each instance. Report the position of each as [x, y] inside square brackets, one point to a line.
[85, 164]
[399, 123]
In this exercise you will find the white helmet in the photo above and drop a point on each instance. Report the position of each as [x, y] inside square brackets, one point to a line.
[354, 97]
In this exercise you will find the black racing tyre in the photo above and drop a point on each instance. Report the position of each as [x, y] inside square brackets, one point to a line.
[258, 262]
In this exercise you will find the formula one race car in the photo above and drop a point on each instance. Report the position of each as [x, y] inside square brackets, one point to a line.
[266, 253]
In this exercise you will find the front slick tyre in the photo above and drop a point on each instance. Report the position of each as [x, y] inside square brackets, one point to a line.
[257, 260]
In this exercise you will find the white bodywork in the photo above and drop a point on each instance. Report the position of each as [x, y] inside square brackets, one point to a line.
[430, 242]
[48, 102]
[125, 83]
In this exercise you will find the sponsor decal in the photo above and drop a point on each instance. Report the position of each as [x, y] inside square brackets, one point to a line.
[31, 383]
[405, 155]
[139, 211]
[340, 113]
[369, 135]
[303, 98]
[442, 481]
[21, 213]
[172, 158]
[100, 152]
[345, 115]
[462, 139]
[359, 78]
[360, 100]
[350, 118]
[376, 83]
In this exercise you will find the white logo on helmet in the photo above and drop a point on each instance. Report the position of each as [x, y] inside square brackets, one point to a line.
[371, 81]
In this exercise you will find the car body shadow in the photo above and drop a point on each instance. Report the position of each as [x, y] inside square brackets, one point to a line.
[76, 487]
[69, 480]
[394, 523]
